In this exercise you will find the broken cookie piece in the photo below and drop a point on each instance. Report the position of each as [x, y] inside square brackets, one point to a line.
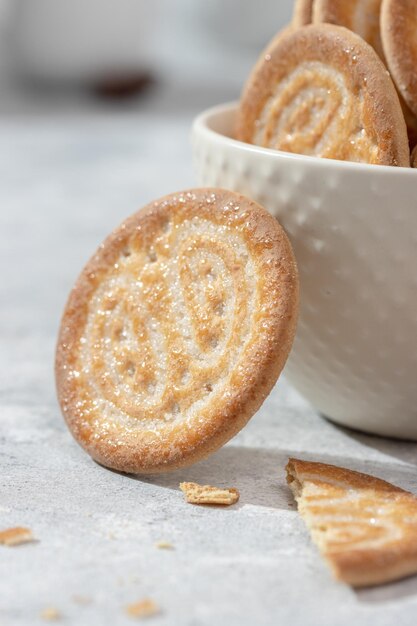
[205, 494]
[164, 545]
[50, 614]
[15, 536]
[364, 527]
[143, 608]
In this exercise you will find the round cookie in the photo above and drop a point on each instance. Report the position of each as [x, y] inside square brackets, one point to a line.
[360, 16]
[410, 120]
[176, 330]
[303, 12]
[322, 91]
[399, 40]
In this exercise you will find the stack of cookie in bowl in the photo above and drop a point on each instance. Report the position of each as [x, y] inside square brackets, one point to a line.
[322, 87]
[180, 324]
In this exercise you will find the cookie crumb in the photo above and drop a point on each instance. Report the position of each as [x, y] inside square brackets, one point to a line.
[50, 613]
[81, 600]
[164, 545]
[143, 608]
[205, 494]
[16, 536]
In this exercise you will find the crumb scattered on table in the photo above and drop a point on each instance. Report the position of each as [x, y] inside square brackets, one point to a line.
[81, 600]
[16, 536]
[205, 494]
[50, 613]
[164, 545]
[143, 608]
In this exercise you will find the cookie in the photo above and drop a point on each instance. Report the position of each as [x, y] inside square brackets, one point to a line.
[411, 122]
[414, 157]
[176, 331]
[16, 536]
[206, 494]
[322, 91]
[303, 12]
[399, 40]
[359, 16]
[143, 609]
[364, 527]
[362, 18]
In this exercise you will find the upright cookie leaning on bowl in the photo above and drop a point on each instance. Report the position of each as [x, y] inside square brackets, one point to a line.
[321, 90]
[176, 330]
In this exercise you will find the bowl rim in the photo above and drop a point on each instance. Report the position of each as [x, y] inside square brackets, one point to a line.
[203, 125]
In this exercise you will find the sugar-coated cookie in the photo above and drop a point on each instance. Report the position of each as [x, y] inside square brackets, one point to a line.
[321, 90]
[364, 527]
[363, 18]
[360, 16]
[399, 40]
[303, 12]
[176, 330]
[414, 157]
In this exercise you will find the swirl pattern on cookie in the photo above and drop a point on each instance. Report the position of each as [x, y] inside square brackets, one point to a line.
[303, 12]
[176, 330]
[322, 91]
[399, 40]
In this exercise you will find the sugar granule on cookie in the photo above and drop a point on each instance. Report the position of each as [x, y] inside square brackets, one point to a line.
[206, 494]
[16, 536]
[143, 608]
[364, 527]
[176, 331]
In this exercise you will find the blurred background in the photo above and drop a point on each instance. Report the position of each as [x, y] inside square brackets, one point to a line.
[57, 54]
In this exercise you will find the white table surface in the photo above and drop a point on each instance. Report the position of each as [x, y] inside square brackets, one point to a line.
[65, 182]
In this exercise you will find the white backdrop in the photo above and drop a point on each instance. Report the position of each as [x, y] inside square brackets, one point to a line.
[73, 39]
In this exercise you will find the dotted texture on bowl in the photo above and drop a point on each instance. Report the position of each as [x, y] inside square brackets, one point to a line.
[354, 234]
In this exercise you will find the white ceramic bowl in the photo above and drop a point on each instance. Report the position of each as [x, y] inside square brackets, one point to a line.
[354, 232]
